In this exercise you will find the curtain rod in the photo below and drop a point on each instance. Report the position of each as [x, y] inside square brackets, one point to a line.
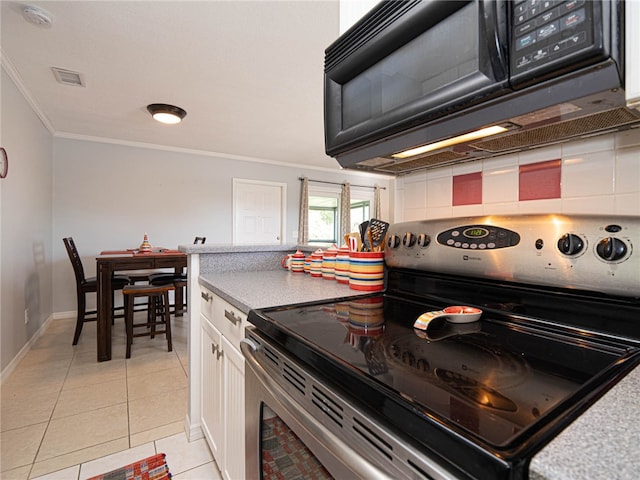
[341, 183]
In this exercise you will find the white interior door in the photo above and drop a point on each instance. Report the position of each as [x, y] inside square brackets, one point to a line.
[258, 212]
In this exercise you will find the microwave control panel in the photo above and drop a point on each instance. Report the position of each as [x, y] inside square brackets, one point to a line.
[544, 31]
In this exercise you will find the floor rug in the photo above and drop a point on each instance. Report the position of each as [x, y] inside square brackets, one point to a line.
[151, 468]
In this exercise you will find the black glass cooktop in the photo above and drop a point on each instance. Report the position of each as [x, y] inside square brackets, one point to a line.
[489, 378]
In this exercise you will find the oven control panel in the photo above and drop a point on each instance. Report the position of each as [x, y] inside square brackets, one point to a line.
[587, 252]
[479, 237]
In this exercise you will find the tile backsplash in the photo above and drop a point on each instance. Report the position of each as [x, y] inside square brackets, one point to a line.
[599, 175]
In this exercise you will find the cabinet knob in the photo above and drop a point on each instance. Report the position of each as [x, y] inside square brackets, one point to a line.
[206, 296]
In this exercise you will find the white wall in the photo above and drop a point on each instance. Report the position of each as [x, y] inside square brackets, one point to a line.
[107, 196]
[353, 10]
[600, 175]
[26, 219]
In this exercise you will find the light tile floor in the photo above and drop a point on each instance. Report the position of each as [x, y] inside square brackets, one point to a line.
[66, 416]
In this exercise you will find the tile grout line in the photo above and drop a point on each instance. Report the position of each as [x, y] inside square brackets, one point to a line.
[44, 434]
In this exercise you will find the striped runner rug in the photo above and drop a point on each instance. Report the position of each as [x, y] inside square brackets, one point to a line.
[151, 468]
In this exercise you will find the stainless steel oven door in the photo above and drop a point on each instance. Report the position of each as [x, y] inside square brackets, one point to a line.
[323, 433]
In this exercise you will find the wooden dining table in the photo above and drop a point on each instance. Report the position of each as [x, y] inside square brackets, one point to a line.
[109, 262]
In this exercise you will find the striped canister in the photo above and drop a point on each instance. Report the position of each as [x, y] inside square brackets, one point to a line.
[342, 265]
[366, 271]
[316, 263]
[329, 263]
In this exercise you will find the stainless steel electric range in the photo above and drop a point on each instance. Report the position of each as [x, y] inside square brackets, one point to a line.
[366, 395]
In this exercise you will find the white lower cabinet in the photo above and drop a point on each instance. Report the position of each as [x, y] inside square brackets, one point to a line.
[212, 387]
[222, 383]
[233, 372]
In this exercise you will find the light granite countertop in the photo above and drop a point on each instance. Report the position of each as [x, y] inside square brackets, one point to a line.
[272, 288]
[603, 443]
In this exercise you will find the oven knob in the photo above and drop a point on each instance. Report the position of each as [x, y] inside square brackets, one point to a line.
[570, 244]
[611, 249]
[394, 241]
[409, 239]
[423, 240]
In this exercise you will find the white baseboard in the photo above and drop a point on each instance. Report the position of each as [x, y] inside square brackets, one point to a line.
[61, 315]
[6, 373]
[193, 431]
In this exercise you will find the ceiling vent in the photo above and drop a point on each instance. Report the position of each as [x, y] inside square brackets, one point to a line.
[68, 77]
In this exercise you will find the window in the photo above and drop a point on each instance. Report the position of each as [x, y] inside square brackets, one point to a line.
[324, 213]
[323, 219]
[359, 213]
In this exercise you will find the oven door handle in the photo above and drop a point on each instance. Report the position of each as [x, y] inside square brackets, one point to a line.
[333, 444]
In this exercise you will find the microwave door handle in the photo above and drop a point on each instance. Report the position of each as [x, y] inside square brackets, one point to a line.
[493, 25]
[332, 443]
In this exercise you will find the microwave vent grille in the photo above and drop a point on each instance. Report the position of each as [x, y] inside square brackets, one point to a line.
[426, 161]
[598, 122]
[365, 31]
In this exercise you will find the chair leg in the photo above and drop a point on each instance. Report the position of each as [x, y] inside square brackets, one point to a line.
[113, 307]
[82, 305]
[128, 321]
[179, 300]
[153, 314]
[167, 319]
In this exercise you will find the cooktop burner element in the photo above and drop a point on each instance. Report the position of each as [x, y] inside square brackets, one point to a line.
[483, 396]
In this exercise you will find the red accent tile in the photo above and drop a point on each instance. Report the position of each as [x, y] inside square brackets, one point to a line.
[467, 189]
[540, 180]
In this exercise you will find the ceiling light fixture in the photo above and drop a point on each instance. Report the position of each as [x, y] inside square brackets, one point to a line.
[484, 132]
[166, 113]
[37, 16]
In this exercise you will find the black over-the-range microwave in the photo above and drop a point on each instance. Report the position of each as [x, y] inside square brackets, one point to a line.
[417, 84]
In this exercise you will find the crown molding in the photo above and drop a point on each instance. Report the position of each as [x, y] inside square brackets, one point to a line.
[17, 80]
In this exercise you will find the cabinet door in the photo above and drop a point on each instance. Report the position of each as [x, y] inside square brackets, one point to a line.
[233, 412]
[211, 395]
[229, 320]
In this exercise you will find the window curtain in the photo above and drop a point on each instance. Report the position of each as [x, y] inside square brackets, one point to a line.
[345, 211]
[376, 202]
[303, 220]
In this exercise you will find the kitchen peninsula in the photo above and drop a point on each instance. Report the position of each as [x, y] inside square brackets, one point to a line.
[225, 282]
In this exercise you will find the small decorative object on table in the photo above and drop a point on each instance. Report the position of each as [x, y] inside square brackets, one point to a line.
[145, 246]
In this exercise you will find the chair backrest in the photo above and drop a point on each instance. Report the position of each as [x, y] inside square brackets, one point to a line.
[74, 256]
[199, 240]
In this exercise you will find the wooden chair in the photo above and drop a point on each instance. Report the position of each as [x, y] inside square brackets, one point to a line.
[158, 296]
[177, 280]
[86, 285]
